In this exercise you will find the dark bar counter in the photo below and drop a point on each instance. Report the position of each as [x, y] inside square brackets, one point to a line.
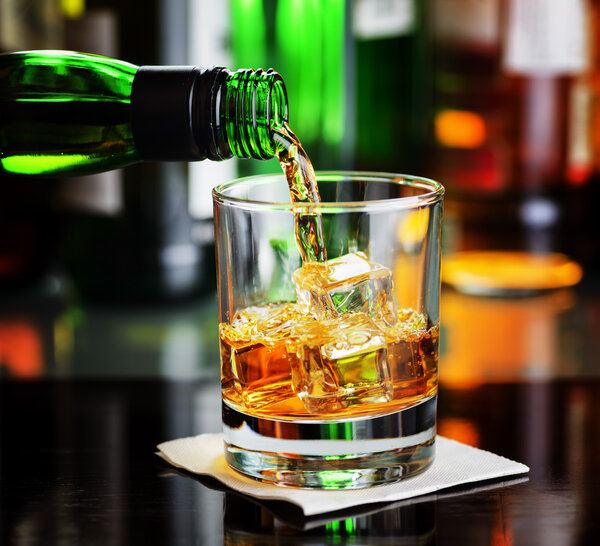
[87, 392]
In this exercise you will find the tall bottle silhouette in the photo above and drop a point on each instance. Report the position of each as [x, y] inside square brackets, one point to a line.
[511, 140]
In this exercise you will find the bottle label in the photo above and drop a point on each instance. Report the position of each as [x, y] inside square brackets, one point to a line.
[203, 177]
[100, 194]
[30, 24]
[471, 21]
[546, 37]
[374, 19]
[579, 145]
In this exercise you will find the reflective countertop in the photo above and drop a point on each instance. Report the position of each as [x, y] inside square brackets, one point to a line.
[87, 391]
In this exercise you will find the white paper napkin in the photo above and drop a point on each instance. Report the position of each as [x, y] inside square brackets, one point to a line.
[454, 464]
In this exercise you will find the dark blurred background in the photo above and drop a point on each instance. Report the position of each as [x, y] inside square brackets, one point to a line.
[496, 99]
[114, 274]
[109, 280]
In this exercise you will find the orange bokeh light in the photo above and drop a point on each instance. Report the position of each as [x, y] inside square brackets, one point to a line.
[460, 129]
[21, 349]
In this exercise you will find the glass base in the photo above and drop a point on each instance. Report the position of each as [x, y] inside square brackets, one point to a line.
[341, 454]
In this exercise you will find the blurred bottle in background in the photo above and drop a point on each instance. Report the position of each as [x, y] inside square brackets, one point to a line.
[309, 44]
[28, 235]
[357, 75]
[36, 331]
[392, 85]
[129, 235]
[30, 24]
[512, 140]
[591, 219]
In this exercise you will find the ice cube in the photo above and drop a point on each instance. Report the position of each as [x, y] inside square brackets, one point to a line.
[348, 284]
[410, 351]
[341, 362]
[409, 326]
[268, 324]
[255, 365]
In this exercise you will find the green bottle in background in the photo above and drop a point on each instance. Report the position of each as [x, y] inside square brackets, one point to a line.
[392, 78]
[65, 113]
[357, 75]
[309, 44]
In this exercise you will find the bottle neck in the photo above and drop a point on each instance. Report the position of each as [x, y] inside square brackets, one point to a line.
[183, 113]
[247, 106]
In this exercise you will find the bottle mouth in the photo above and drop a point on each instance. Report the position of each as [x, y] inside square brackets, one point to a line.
[277, 103]
[255, 104]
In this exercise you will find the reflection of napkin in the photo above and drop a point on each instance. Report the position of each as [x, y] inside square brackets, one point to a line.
[454, 464]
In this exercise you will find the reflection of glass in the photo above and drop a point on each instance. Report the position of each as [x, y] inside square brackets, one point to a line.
[245, 522]
[326, 364]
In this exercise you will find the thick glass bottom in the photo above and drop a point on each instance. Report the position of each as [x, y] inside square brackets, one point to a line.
[341, 454]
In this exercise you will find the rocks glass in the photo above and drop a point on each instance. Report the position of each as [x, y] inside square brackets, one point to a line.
[329, 369]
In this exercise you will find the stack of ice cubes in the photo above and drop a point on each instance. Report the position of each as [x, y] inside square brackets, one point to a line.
[342, 356]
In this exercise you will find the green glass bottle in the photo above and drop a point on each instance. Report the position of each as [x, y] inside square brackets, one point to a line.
[65, 113]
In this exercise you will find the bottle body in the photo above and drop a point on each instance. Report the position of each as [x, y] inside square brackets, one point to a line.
[72, 114]
[64, 113]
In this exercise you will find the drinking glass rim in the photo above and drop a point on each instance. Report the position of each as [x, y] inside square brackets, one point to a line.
[428, 198]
